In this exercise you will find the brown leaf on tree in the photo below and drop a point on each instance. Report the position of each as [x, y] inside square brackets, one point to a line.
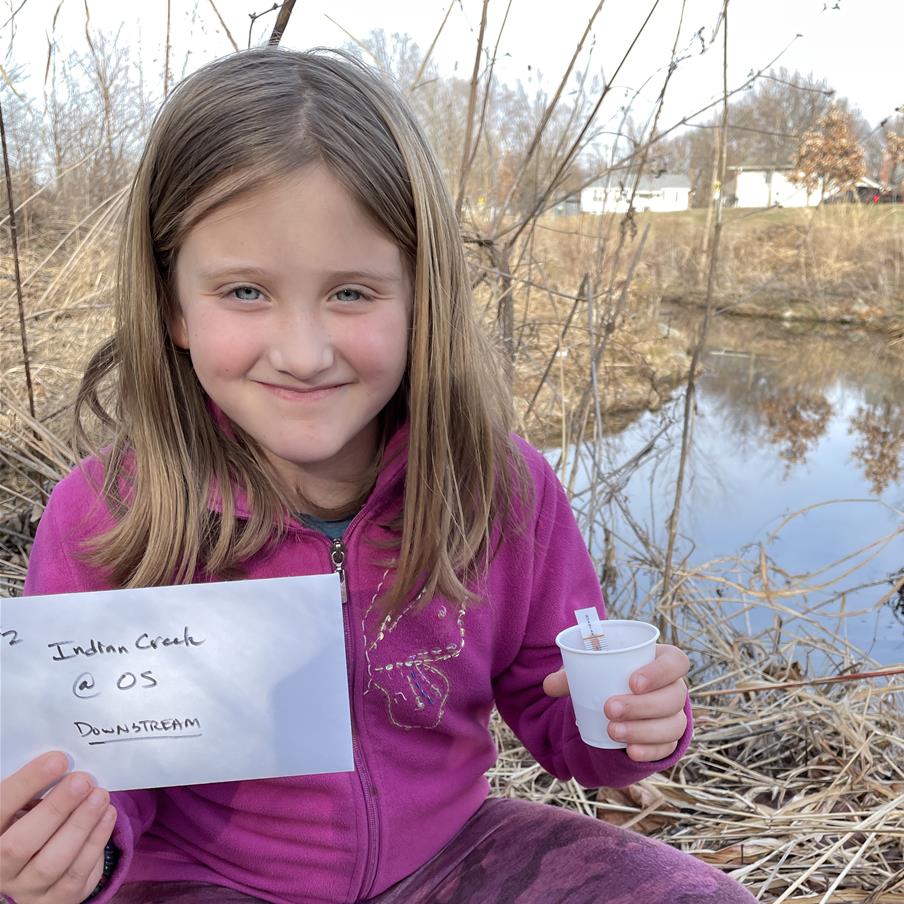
[829, 156]
[894, 148]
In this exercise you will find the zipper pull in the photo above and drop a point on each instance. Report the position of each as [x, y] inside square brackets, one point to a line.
[337, 556]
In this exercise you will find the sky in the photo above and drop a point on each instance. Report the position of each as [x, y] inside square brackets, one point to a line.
[854, 44]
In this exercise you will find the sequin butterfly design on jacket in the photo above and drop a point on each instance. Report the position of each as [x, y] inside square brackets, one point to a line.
[405, 653]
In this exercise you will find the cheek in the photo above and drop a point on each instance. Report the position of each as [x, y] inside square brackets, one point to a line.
[383, 352]
[220, 350]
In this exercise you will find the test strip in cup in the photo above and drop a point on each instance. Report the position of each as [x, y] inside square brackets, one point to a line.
[592, 629]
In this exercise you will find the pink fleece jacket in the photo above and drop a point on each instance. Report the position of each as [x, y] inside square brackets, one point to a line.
[422, 687]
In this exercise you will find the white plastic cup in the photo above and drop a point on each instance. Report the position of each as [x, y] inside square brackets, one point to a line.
[595, 676]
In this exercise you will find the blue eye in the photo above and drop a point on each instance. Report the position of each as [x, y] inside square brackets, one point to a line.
[348, 295]
[246, 293]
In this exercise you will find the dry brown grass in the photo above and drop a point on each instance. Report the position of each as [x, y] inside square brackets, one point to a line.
[66, 285]
[845, 259]
[842, 260]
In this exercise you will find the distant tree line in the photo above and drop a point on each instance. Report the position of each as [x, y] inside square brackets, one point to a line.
[78, 144]
[769, 124]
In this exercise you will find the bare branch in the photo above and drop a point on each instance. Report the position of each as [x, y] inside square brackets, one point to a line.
[666, 598]
[472, 103]
[282, 20]
[224, 26]
[422, 68]
[14, 241]
[569, 156]
[544, 121]
[357, 41]
[166, 53]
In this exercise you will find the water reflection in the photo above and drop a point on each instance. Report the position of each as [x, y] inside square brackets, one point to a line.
[773, 382]
[788, 419]
[880, 450]
[794, 424]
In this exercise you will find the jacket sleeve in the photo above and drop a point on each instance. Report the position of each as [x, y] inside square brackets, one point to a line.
[561, 579]
[73, 513]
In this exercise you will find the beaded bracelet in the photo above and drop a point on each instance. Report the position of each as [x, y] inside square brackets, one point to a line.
[111, 858]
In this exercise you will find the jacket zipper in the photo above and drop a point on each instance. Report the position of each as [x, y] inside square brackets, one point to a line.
[337, 557]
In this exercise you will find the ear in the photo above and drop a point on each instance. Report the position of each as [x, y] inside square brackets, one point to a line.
[178, 329]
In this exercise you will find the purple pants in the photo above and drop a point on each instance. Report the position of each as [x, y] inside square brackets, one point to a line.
[517, 852]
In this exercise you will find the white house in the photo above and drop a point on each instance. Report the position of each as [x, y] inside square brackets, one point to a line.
[654, 193]
[768, 186]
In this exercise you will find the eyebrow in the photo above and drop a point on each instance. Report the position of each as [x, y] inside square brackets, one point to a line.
[230, 270]
[366, 275]
[385, 276]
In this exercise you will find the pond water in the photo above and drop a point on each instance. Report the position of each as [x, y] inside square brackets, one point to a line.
[798, 451]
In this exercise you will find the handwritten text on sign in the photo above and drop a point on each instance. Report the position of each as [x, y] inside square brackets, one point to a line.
[220, 682]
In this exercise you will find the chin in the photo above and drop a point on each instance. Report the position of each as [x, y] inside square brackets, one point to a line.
[307, 456]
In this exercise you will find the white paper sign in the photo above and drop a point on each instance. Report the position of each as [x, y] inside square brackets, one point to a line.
[178, 685]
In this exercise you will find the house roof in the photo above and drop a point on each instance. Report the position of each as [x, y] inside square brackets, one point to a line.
[652, 183]
[781, 167]
[866, 182]
[744, 167]
[646, 183]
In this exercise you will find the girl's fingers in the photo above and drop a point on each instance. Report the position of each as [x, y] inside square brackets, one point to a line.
[24, 838]
[656, 705]
[55, 863]
[556, 684]
[650, 731]
[85, 870]
[648, 753]
[20, 789]
[669, 665]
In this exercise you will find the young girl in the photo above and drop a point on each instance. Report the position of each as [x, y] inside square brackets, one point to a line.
[301, 387]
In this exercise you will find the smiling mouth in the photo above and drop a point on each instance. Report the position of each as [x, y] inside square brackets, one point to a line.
[294, 394]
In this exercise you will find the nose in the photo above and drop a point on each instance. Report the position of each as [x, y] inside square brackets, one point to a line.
[300, 344]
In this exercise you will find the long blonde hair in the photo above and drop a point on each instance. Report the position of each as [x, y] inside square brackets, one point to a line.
[228, 128]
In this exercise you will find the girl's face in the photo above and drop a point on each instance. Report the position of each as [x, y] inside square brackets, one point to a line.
[295, 308]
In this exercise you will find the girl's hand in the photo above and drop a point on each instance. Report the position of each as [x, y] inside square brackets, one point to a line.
[650, 720]
[52, 850]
